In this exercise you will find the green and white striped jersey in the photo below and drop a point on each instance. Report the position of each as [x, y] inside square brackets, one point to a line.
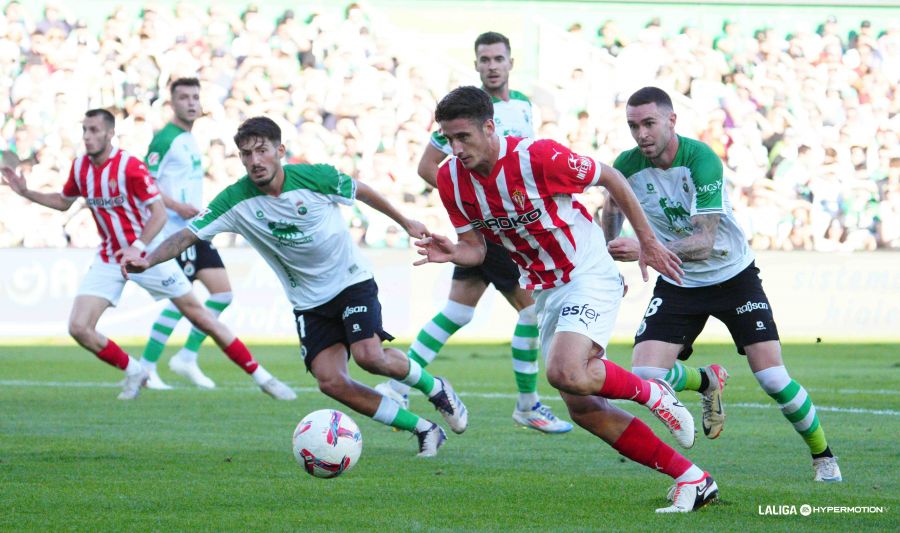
[694, 185]
[174, 160]
[514, 117]
[301, 233]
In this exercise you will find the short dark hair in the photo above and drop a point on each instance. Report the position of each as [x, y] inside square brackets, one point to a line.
[650, 95]
[183, 82]
[465, 102]
[258, 128]
[108, 117]
[492, 37]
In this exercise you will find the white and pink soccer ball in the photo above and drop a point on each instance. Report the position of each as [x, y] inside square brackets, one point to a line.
[327, 443]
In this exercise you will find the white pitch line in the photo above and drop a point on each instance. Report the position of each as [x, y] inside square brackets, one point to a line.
[487, 395]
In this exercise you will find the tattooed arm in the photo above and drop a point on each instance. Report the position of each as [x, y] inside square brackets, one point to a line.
[611, 218]
[171, 247]
[698, 246]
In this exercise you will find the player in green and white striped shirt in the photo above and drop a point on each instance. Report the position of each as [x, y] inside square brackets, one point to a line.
[680, 186]
[290, 215]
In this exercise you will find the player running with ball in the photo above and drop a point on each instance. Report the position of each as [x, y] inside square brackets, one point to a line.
[519, 192]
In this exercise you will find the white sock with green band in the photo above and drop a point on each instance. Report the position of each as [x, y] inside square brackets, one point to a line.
[434, 335]
[795, 404]
[525, 350]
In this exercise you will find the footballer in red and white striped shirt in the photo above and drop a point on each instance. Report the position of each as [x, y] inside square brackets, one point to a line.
[518, 192]
[125, 203]
[525, 204]
[118, 192]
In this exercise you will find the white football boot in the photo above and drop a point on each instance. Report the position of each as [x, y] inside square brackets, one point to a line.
[278, 390]
[453, 410]
[827, 470]
[691, 495]
[387, 391]
[541, 418]
[673, 414]
[188, 369]
[133, 384]
[430, 440]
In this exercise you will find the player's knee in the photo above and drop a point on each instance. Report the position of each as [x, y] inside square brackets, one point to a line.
[566, 379]
[459, 314]
[79, 331]
[334, 386]
[224, 298]
[649, 372]
[773, 379]
[370, 358]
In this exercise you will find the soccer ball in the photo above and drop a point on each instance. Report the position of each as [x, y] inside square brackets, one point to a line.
[327, 443]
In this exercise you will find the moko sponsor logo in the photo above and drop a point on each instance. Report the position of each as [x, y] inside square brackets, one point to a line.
[751, 306]
[508, 222]
[115, 201]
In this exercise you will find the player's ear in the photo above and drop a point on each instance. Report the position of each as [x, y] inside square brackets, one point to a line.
[489, 127]
[511, 63]
[672, 118]
[281, 151]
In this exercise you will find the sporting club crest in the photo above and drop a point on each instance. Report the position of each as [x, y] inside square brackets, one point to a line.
[518, 198]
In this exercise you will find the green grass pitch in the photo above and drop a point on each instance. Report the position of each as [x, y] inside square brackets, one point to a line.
[72, 457]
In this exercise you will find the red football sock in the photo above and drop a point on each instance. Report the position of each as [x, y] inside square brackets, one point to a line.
[641, 445]
[621, 384]
[112, 354]
[237, 352]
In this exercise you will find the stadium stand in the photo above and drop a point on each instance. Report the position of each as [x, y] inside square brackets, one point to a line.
[807, 123]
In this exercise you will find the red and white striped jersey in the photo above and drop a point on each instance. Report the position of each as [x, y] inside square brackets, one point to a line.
[118, 193]
[526, 205]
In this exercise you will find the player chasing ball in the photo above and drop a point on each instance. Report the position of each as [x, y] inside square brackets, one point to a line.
[291, 216]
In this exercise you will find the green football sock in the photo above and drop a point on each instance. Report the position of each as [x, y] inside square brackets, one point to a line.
[432, 337]
[419, 379]
[525, 351]
[216, 303]
[797, 407]
[160, 333]
[390, 413]
[683, 377]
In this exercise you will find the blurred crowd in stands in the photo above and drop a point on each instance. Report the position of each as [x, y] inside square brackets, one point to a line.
[807, 124]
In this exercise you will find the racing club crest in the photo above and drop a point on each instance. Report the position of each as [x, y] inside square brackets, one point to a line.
[518, 198]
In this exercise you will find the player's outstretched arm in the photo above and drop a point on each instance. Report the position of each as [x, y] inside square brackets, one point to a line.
[370, 197]
[469, 250]
[171, 247]
[651, 251]
[53, 200]
[429, 164]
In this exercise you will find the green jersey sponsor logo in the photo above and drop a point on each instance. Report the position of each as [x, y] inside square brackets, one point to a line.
[674, 213]
[710, 187]
[288, 234]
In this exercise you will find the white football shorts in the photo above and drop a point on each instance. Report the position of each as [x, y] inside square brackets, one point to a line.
[587, 305]
[104, 280]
